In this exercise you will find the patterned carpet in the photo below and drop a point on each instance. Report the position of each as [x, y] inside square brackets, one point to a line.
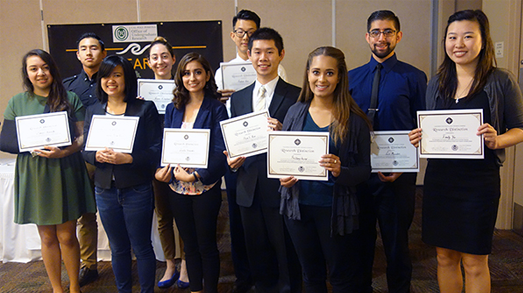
[506, 264]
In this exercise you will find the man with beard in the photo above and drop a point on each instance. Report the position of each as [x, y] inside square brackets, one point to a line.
[91, 52]
[390, 92]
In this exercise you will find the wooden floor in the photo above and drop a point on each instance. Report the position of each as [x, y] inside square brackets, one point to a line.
[506, 264]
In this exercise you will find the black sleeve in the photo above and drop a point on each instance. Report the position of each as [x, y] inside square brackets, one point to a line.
[8, 138]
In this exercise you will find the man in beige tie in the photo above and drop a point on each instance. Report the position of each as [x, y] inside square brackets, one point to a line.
[273, 262]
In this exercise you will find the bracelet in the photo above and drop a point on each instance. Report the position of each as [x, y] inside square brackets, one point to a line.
[195, 177]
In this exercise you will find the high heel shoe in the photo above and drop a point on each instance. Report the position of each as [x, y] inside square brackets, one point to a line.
[182, 285]
[168, 283]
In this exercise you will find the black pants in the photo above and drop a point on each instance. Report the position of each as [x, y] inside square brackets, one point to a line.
[317, 251]
[391, 205]
[272, 258]
[238, 249]
[196, 217]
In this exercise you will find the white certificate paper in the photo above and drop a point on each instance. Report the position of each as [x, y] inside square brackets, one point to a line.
[113, 132]
[246, 135]
[391, 151]
[187, 147]
[236, 76]
[37, 131]
[297, 153]
[451, 134]
[158, 91]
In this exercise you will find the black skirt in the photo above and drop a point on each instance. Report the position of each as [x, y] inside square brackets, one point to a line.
[460, 204]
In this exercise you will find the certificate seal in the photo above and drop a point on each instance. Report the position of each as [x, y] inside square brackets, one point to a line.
[42, 121]
[297, 141]
[114, 123]
[186, 137]
[245, 123]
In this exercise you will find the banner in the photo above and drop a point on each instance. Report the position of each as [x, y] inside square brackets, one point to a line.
[132, 41]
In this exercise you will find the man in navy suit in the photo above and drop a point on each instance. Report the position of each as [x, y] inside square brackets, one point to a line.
[272, 259]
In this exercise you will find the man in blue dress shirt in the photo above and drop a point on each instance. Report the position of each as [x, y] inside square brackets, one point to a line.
[91, 52]
[387, 198]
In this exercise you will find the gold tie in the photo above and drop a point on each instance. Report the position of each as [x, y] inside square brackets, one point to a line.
[260, 103]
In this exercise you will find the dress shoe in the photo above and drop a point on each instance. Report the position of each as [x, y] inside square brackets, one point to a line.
[241, 287]
[182, 285]
[169, 282]
[87, 276]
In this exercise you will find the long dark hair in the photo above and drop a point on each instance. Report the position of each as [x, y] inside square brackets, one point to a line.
[448, 81]
[344, 104]
[107, 66]
[57, 98]
[181, 94]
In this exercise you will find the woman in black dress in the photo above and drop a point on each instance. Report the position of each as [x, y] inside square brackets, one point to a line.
[461, 197]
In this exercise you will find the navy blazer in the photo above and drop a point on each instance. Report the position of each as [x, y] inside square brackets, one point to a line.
[252, 175]
[209, 116]
[146, 149]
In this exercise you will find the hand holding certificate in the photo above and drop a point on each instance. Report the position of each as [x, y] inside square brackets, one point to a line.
[246, 135]
[297, 153]
[158, 91]
[113, 132]
[186, 147]
[37, 131]
[451, 134]
[391, 151]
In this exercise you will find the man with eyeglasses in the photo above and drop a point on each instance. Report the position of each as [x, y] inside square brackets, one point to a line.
[244, 24]
[390, 92]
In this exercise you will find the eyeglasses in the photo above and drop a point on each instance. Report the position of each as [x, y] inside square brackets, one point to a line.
[387, 33]
[241, 33]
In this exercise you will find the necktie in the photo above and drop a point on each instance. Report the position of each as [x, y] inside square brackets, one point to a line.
[260, 103]
[373, 108]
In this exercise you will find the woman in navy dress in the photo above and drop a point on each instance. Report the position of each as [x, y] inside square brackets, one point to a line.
[461, 197]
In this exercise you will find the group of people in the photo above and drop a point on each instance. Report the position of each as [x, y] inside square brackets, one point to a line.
[285, 233]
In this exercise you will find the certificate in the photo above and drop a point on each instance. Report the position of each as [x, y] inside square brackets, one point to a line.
[186, 147]
[297, 153]
[113, 132]
[236, 76]
[158, 91]
[391, 151]
[246, 135]
[37, 131]
[451, 134]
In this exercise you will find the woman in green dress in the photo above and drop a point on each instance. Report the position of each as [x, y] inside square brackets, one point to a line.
[52, 188]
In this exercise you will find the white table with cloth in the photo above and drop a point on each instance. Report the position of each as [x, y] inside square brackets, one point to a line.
[21, 243]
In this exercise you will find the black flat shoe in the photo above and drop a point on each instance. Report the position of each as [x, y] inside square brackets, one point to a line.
[87, 276]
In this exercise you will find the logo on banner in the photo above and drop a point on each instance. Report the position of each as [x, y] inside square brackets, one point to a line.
[121, 33]
[134, 33]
